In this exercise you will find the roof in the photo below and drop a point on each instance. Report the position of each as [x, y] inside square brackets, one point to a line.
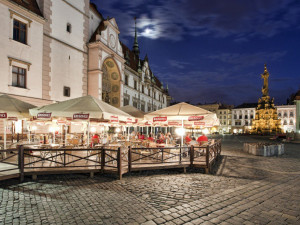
[100, 28]
[31, 5]
[247, 105]
[133, 61]
[93, 7]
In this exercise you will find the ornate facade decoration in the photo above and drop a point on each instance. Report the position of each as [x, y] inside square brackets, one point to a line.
[266, 120]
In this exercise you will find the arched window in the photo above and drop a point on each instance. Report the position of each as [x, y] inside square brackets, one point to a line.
[291, 122]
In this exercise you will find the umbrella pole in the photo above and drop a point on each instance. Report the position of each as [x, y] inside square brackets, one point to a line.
[4, 134]
[88, 133]
[65, 132]
[182, 134]
[128, 133]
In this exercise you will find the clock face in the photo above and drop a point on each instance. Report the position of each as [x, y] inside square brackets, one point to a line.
[112, 41]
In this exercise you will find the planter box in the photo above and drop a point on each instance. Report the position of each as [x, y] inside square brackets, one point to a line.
[264, 149]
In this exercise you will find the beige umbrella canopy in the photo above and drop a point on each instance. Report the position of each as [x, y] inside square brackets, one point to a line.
[184, 112]
[83, 105]
[14, 107]
[133, 111]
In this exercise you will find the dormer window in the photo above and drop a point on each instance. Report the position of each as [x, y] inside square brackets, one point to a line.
[69, 27]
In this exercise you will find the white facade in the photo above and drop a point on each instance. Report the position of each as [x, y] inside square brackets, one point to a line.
[62, 61]
[27, 56]
[242, 119]
[287, 115]
[224, 116]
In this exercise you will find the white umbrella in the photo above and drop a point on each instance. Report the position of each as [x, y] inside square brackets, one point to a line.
[95, 108]
[183, 112]
[13, 108]
[85, 107]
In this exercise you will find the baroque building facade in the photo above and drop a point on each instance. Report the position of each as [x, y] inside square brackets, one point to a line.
[54, 50]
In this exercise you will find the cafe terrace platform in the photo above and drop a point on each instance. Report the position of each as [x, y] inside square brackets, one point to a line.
[25, 161]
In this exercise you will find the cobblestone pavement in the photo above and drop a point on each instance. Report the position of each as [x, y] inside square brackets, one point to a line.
[246, 189]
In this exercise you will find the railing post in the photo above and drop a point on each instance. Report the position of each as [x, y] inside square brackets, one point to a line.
[192, 155]
[65, 157]
[119, 162]
[129, 158]
[21, 162]
[162, 155]
[102, 159]
[207, 159]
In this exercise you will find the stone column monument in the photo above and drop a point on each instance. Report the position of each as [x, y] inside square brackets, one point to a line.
[266, 120]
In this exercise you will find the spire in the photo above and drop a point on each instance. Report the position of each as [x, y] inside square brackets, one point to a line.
[146, 58]
[162, 85]
[152, 77]
[167, 88]
[136, 49]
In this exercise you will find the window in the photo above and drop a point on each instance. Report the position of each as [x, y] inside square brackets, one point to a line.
[135, 85]
[246, 116]
[126, 100]
[149, 107]
[18, 77]
[143, 89]
[143, 106]
[291, 114]
[20, 32]
[251, 116]
[67, 91]
[224, 117]
[149, 91]
[235, 117]
[221, 112]
[154, 108]
[291, 122]
[163, 99]
[279, 114]
[69, 27]
[246, 123]
[237, 123]
[126, 79]
[135, 103]
[285, 114]
[154, 94]
[240, 117]
[158, 97]
[285, 123]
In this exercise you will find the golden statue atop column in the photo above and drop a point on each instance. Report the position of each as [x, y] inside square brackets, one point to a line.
[265, 76]
[266, 120]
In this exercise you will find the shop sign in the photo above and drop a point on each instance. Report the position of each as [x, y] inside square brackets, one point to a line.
[160, 119]
[43, 115]
[3, 115]
[173, 123]
[114, 119]
[129, 120]
[188, 125]
[195, 118]
[13, 118]
[199, 123]
[81, 116]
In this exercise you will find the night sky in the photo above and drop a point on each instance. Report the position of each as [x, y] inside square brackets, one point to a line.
[214, 50]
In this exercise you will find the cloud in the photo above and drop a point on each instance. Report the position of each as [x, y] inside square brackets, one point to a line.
[178, 64]
[172, 20]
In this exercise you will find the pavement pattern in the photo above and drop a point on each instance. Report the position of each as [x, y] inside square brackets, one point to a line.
[244, 189]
